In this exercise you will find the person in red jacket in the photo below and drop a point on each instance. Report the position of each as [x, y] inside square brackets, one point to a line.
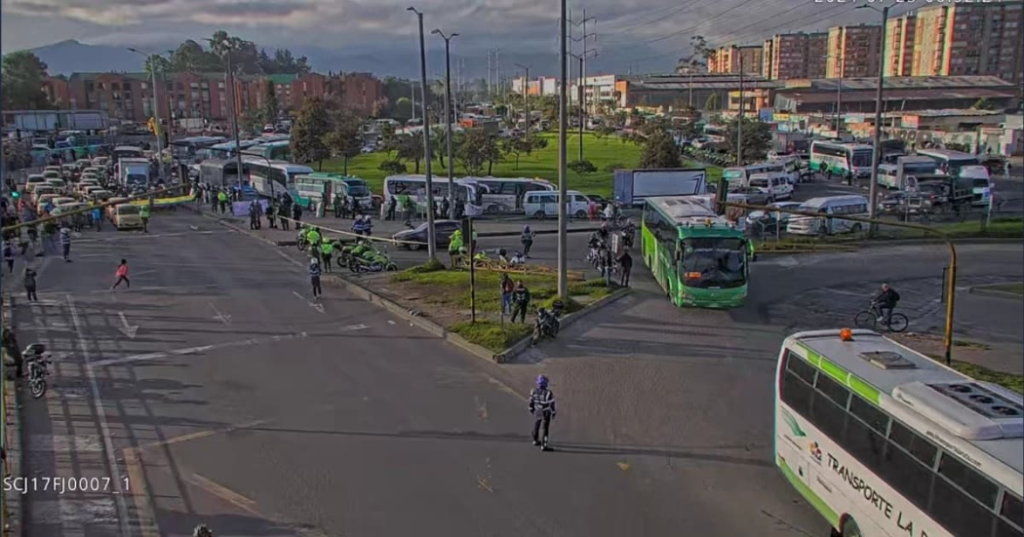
[122, 275]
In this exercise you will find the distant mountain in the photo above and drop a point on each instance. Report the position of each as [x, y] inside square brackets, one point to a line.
[69, 56]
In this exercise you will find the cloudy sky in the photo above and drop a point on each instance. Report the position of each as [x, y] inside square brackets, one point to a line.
[640, 33]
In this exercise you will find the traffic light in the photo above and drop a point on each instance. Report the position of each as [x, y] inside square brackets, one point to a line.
[152, 125]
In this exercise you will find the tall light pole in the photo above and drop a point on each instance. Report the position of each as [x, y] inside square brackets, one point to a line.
[431, 239]
[563, 61]
[227, 48]
[448, 115]
[877, 153]
[526, 96]
[582, 88]
[156, 111]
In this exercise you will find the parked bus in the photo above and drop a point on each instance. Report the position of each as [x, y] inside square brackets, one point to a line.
[414, 186]
[322, 186]
[846, 159]
[187, 149]
[695, 255]
[505, 195]
[832, 209]
[278, 150]
[274, 179]
[227, 150]
[885, 442]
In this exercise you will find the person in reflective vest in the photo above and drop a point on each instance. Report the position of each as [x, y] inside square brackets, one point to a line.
[326, 252]
[542, 406]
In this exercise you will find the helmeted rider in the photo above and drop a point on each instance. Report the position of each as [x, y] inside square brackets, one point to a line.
[542, 406]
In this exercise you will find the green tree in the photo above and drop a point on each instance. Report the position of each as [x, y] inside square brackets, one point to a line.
[251, 121]
[410, 147]
[22, 78]
[757, 139]
[346, 136]
[270, 105]
[473, 150]
[604, 130]
[713, 102]
[308, 133]
[517, 146]
[245, 59]
[660, 151]
[191, 57]
[389, 141]
[582, 167]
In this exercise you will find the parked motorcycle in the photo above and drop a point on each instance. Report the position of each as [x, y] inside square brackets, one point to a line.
[37, 359]
[547, 323]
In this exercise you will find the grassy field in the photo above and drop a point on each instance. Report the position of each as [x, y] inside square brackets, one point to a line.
[603, 152]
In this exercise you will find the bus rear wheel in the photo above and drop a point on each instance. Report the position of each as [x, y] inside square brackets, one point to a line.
[851, 529]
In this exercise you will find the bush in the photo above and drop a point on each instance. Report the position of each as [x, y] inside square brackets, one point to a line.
[582, 166]
[432, 265]
[490, 335]
[568, 306]
[393, 167]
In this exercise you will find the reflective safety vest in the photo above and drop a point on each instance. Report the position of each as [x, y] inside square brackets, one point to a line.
[327, 248]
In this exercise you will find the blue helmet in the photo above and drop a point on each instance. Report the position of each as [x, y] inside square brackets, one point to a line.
[542, 381]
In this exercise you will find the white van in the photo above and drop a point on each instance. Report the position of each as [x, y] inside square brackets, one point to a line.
[776, 185]
[544, 203]
[833, 206]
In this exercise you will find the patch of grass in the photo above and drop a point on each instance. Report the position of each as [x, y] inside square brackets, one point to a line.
[568, 306]
[1007, 380]
[491, 335]
[999, 227]
[432, 265]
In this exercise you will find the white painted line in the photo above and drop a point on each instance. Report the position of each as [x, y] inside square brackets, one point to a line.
[65, 443]
[101, 413]
[194, 350]
[354, 327]
[226, 319]
[318, 307]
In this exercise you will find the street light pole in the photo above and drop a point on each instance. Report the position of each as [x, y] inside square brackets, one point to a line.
[431, 239]
[156, 112]
[563, 288]
[877, 153]
[448, 116]
[739, 121]
[526, 96]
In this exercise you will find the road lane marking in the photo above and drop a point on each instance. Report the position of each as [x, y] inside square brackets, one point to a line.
[226, 319]
[101, 413]
[195, 350]
[224, 493]
[318, 307]
[354, 327]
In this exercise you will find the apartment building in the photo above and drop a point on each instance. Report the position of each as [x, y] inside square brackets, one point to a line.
[794, 55]
[57, 91]
[727, 60]
[899, 45]
[970, 39]
[853, 51]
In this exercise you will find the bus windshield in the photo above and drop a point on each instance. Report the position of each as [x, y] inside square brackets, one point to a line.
[713, 262]
[357, 189]
[861, 158]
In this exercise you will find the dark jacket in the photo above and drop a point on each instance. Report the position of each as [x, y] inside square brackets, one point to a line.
[521, 296]
[888, 297]
[542, 401]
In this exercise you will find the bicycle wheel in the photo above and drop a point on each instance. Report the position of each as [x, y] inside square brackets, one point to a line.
[865, 319]
[898, 322]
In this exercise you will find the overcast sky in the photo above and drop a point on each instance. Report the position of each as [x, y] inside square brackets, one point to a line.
[656, 32]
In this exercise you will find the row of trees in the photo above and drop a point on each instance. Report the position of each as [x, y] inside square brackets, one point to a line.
[474, 150]
[22, 76]
[246, 59]
[324, 128]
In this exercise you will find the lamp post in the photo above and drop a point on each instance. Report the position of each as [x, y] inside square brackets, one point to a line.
[227, 48]
[877, 153]
[431, 239]
[563, 288]
[448, 116]
[156, 112]
[582, 90]
[526, 96]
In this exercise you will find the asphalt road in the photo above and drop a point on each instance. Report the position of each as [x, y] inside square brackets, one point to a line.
[216, 391]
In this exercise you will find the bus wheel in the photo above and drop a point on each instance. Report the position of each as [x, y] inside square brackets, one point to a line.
[539, 215]
[581, 214]
[823, 231]
[851, 529]
[492, 209]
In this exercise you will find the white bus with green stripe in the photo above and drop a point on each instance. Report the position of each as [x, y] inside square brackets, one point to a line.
[884, 441]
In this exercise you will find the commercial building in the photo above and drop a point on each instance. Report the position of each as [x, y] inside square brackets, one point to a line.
[853, 51]
[794, 55]
[899, 45]
[703, 91]
[970, 39]
[544, 85]
[727, 60]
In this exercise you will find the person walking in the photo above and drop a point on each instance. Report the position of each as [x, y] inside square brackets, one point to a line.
[521, 300]
[526, 238]
[253, 216]
[65, 243]
[314, 277]
[626, 262]
[326, 252]
[285, 212]
[297, 215]
[338, 205]
[214, 199]
[392, 203]
[445, 207]
[542, 407]
[259, 215]
[29, 281]
[97, 218]
[271, 207]
[144, 215]
[455, 247]
[9, 257]
[121, 275]
[506, 293]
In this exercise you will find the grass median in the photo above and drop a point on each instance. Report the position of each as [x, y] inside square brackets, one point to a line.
[446, 297]
[1006, 380]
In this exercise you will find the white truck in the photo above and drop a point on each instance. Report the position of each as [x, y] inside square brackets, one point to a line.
[133, 173]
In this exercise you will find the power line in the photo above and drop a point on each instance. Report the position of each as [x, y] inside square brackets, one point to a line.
[642, 42]
[659, 17]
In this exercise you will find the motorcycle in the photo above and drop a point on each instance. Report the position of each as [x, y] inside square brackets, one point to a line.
[37, 359]
[301, 243]
[547, 323]
[364, 258]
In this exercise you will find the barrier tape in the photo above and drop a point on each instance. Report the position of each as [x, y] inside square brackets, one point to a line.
[351, 234]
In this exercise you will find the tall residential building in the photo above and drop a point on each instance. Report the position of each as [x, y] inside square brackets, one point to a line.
[766, 59]
[727, 60]
[899, 45]
[970, 39]
[853, 51]
[795, 55]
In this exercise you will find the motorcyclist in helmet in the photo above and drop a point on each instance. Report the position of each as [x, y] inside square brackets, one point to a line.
[542, 406]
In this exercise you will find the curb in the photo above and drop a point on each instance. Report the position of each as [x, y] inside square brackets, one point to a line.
[14, 515]
[981, 290]
[856, 245]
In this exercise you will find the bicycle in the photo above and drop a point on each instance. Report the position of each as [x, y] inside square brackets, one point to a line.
[868, 319]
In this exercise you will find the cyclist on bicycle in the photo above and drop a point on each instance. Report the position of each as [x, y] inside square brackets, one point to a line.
[885, 302]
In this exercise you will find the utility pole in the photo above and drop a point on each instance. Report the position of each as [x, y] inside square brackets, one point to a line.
[234, 117]
[739, 121]
[156, 112]
[563, 288]
[690, 88]
[582, 86]
[412, 88]
[431, 239]
[581, 90]
[448, 106]
[526, 97]
[877, 153]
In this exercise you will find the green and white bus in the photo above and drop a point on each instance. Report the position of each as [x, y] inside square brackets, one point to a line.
[842, 159]
[325, 186]
[884, 441]
[695, 255]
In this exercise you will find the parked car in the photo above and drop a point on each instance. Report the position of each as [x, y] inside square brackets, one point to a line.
[750, 196]
[768, 217]
[443, 230]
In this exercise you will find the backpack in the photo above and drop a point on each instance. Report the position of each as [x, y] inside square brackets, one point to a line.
[895, 295]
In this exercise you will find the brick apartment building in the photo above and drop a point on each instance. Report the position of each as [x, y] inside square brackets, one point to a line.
[853, 51]
[899, 45]
[794, 55]
[727, 60]
[970, 39]
[129, 96]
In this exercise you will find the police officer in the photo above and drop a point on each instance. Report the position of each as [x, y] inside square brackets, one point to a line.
[542, 406]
